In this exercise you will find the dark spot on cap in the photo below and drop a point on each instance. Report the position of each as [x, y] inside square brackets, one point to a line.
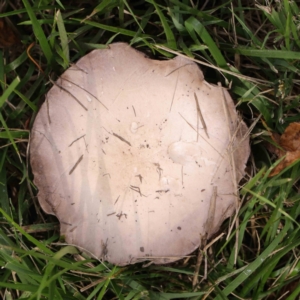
[179, 228]
[142, 249]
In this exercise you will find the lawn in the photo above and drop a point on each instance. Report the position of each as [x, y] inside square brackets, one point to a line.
[252, 48]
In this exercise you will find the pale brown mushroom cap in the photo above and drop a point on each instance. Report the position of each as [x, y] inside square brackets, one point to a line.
[127, 167]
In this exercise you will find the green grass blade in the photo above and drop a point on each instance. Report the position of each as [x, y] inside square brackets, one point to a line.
[27, 101]
[208, 41]
[48, 272]
[247, 30]
[109, 28]
[294, 294]
[183, 295]
[37, 243]
[171, 42]
[267, 53]
[267, 201]
[256, 263]
[39, 33]
[63, 38]
[133, 15]
[101, 7]
[9, 135]
[268, 266]
[11, 88]
[16, 63]
[3, 182]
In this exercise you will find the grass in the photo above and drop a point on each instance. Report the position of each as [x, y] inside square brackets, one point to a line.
[252, 48]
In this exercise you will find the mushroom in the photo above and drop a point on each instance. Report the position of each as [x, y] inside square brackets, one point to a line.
[137, 158]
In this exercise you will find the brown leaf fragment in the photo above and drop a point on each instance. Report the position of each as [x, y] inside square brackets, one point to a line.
[291, 156]
[290, 143]
[290, 139]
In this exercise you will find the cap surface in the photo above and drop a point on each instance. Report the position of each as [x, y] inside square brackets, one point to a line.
[127, 158]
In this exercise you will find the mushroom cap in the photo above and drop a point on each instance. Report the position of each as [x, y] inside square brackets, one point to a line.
[129, 160]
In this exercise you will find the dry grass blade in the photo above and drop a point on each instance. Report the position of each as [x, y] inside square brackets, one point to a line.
[238, 75]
